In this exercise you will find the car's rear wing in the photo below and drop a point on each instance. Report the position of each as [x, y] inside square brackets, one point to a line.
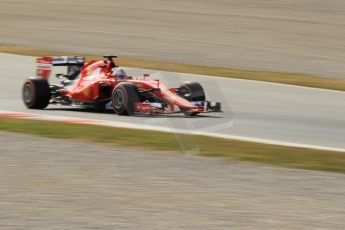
[73, 63]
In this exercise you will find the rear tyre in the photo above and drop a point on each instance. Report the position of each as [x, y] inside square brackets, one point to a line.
[191, 91]
[36, 93]
[124, 97]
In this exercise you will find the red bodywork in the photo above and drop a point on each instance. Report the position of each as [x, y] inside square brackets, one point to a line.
[98, 75]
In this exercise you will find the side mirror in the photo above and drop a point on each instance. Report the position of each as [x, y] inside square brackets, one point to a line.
[109, 57]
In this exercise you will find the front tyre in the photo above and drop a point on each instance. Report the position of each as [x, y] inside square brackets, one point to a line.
[124, 97]
[192, 91]
[36, 93]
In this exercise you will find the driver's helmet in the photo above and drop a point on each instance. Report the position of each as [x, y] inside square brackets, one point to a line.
[120, 73]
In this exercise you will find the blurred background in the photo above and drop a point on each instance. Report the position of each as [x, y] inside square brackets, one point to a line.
[294, 36]
[47, 183]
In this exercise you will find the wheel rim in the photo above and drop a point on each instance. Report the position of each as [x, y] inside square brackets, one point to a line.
[119, 99]
[185, 92]
[27, 93]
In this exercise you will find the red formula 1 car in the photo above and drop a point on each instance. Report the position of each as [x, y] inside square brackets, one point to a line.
[104, 85]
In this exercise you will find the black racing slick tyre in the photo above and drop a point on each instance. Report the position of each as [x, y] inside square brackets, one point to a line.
[124, 97]
[36, 93]
[192, 91]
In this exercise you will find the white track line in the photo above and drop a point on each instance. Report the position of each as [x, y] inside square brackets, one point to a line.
[119, 124]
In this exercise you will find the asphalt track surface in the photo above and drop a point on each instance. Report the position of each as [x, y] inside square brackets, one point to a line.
[251, 109]
[295, 36]
[88, 186]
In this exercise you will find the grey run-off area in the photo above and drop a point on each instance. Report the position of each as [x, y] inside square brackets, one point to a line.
[295, 36]
[87, 186]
